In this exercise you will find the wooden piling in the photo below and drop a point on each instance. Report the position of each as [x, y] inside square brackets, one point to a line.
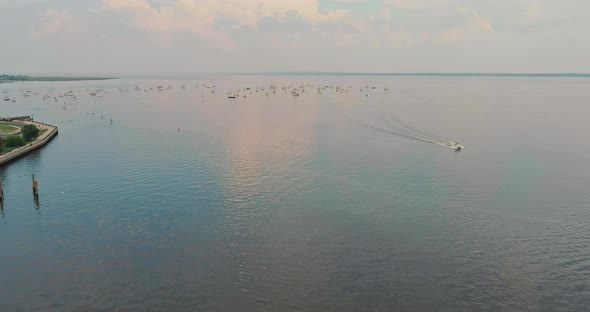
[35, 191]
[1, 195]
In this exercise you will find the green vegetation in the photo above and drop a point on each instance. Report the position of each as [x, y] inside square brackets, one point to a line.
[11, 78]
[29, 132]
[8, 149]
[7, 128]
[4, 148]
[64, 78]
[14, 141]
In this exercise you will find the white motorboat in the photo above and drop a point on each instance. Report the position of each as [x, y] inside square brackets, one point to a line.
[456, 146]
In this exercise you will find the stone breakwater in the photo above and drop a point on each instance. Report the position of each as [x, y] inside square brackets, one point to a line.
[29, 147]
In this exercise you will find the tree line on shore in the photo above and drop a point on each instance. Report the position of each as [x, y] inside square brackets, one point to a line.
[28, 134]
[12, 77]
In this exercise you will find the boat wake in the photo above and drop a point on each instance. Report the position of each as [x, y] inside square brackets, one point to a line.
[400, 130]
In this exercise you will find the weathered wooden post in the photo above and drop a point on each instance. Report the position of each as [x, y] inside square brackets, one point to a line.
[1, 196]
[35, 191]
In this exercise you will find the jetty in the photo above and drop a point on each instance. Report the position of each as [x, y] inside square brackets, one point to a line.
[44, 138]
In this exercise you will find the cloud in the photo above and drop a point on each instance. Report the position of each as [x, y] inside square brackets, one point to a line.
[203, 18]
[310, 34]
[424, 4]
[476, 27]
[58, 25]
[533, 12]
[349, 1]
[479, 26]
[104, 37]
[220, 22]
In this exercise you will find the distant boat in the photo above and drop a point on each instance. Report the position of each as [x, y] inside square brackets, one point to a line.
[294, 93]
[456, 146]
[231, 96]
[6, 98]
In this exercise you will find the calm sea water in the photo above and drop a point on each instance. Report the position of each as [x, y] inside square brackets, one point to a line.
[190, 201]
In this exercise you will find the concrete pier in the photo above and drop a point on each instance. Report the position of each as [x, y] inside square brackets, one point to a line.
[29, 147]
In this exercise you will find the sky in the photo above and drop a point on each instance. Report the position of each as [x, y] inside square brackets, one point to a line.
[211, 36]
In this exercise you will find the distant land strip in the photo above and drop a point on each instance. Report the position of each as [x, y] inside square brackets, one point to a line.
[571, 75]
[7, 79]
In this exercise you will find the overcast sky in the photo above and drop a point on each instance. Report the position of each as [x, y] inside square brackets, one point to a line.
[201, 36]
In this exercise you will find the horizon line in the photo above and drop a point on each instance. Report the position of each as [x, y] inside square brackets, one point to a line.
[325, 73]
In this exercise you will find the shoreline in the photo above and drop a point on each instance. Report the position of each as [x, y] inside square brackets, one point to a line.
[39, 142]
[26, 79]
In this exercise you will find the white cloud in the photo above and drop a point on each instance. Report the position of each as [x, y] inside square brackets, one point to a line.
[202, 17]
[478, 25]
[283, 34]
[58, 25]
[533, 12]
[424, 4]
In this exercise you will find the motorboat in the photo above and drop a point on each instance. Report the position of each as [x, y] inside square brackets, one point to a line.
[456, 146]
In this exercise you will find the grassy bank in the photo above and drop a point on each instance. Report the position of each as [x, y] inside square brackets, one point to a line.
[7, 128]
[9, 149]
[29, 133]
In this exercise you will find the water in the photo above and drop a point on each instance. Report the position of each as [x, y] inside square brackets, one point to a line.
[192, 201]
